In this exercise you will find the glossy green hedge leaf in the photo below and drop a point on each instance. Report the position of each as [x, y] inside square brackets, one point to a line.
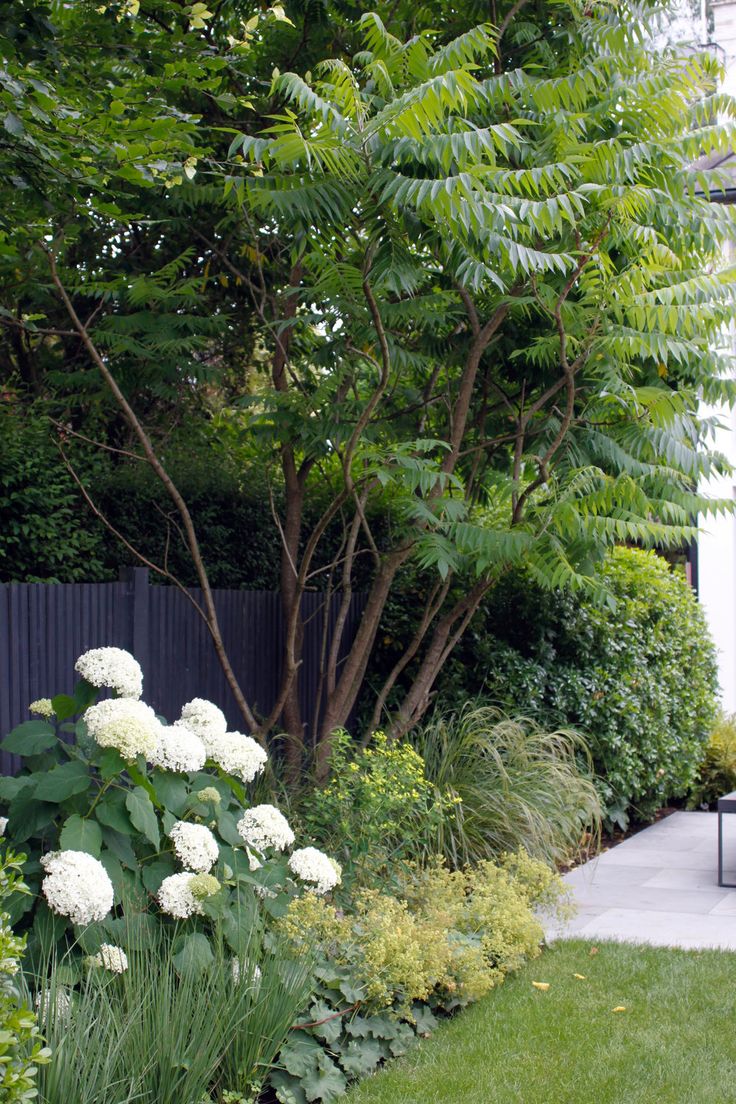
[143, 815]
[81, 835]
[62, 782]
[194, 953]
[30, 738]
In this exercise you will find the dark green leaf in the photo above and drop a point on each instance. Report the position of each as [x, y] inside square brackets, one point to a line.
[62, 782]
[81, 835]
[30, 738]
[193, 952]
[143, 815]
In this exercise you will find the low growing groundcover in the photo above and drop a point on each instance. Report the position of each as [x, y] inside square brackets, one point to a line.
[639, 1026]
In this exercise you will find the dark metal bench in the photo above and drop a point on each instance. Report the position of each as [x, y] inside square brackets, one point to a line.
[726, 804]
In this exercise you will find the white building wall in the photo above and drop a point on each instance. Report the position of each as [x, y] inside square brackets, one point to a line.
[717, 543]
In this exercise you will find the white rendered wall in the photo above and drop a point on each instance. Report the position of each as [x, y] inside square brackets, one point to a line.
[717, 542]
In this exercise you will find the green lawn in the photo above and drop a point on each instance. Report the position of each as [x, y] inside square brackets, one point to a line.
[675, 1043]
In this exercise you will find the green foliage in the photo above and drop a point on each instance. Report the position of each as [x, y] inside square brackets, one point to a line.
[21, 1049]
[46, 533]
[636, 677]
[377, 810]
[80, 796]
[166, 1030]
[717, 774]
[389, 964]
[516, 785]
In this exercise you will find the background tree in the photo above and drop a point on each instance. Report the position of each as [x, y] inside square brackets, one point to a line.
[456, 293]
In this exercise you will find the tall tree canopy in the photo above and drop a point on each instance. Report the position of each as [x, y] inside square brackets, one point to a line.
[452, 284]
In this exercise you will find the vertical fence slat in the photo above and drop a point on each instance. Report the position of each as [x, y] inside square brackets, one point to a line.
[44, 628]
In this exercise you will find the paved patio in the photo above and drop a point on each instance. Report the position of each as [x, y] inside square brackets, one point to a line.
[659, 887]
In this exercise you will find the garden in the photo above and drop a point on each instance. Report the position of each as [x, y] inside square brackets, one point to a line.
[394, 326]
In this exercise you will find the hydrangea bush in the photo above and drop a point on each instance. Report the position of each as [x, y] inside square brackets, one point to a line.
[134, 821]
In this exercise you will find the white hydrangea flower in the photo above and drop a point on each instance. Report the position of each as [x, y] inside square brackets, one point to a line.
[178, 749]
[175, 896]
[251, 973]
[130, 726]
[113, 667]
[317, 869]
[238, 754]
[3, 825]
[204, 719]
[77, 885]
[264, 826]
[42, 708]
[195, 846]
[111, 958]
[62, 1003]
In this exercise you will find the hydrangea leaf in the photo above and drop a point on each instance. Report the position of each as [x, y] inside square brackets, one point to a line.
[30, 738]
[143, 815]
[81, 835]
[195, 953]
[62, 782]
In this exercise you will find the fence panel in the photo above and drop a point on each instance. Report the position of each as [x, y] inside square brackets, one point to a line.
[44, 627]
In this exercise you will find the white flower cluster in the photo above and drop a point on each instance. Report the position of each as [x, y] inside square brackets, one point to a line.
[130, 726]
[178, 749]
[76, 885]
[317, 869]
[3, 825]
[264, 826]
[61, 1003]
[182, 895]
[204, 719]
[195, 846]
[111, 958]
[113, 667]
[42, 708]
[238, 754]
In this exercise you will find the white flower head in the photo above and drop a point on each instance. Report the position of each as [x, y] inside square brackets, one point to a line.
[3, 825]
[130, 726]
[318, 870]
[111, 958]
[42, 708]
[61, 1002]
[250, 972]
[238, 754]
[195, 846]
[178, 749]
[77, 885]
[113, 667]
[204, 719]
[175, 896]
[264, 826]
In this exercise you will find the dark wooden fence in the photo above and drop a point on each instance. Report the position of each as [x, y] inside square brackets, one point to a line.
[44, 627]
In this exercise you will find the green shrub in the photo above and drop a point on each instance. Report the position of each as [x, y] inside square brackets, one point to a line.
[21, 1049]
[513, 783]
[388, 965]
[718, 770]
[377, 811]
[637, 678]
[149, 844]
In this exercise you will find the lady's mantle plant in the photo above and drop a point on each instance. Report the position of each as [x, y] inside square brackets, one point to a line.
[129, 821]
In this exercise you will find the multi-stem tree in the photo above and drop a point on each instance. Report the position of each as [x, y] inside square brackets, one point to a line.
[480, 274]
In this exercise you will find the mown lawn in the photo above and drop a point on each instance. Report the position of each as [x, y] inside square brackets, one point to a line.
[674, 1042]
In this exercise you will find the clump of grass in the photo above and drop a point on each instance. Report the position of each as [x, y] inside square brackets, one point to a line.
[168, 1030]
[519, 785]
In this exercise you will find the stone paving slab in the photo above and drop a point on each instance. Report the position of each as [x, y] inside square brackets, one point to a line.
[658, 887]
